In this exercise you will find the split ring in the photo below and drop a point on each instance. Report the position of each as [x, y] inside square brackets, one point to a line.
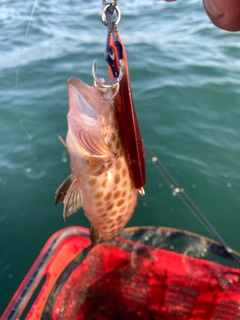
[103, 14]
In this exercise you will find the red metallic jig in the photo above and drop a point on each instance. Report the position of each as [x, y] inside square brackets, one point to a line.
[128, 122]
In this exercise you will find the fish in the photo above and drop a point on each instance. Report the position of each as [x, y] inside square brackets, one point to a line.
[100, 181]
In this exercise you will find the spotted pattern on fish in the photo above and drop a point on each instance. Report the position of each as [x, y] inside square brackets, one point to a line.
[110, 209]
[99, 167]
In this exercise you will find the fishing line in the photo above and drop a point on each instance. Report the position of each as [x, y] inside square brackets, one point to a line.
[18, 69]
[184, 197]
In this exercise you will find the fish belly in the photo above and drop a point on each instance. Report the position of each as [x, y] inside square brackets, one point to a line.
[109, 199]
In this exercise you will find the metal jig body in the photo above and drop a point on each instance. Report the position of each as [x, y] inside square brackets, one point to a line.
[122, 96]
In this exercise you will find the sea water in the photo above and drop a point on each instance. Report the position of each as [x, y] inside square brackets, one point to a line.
[185, 81]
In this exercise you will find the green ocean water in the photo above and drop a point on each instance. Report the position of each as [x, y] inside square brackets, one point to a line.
[185, 81]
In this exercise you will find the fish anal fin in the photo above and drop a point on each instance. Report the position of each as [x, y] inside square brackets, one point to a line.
[63, 189]
[72, 201]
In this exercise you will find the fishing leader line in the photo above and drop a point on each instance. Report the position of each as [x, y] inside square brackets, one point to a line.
[187, 201]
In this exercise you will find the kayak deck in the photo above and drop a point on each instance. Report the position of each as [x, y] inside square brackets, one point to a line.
[137, 276]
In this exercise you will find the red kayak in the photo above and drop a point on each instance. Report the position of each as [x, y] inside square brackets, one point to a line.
[146, 273]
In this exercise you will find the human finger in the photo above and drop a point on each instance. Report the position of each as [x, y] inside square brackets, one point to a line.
[224, 14]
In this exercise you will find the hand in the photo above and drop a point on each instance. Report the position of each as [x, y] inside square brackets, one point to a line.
[225, 14]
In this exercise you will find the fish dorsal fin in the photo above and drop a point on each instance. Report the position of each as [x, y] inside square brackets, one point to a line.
[63, 189]
[72, 201]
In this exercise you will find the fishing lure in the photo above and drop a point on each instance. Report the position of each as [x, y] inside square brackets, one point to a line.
[123, 100]
[105, 148]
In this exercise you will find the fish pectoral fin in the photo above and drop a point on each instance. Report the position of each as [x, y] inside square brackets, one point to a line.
[63, 189]
[72, 201]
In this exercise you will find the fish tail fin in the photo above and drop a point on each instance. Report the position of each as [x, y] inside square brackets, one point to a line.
[95, 236]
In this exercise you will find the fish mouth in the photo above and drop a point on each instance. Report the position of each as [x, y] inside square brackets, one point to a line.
[81, 99]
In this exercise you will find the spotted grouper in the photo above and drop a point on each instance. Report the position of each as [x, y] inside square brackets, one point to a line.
[100, 181]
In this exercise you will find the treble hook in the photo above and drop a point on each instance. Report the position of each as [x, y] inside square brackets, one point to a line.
[113, 83]
[98, 83]
[106, 19]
